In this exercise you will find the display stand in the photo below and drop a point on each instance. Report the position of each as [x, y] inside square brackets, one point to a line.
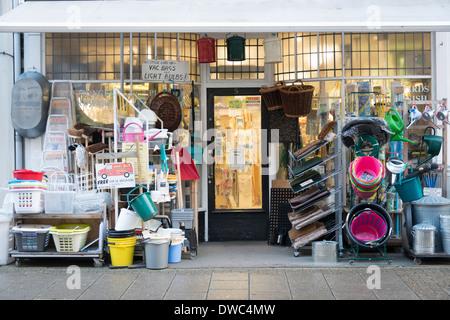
[358, 255]
[356, 100]
[313, 229]
[407, 226]
[89, 251]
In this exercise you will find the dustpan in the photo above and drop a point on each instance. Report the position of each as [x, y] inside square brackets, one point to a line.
[187, 169]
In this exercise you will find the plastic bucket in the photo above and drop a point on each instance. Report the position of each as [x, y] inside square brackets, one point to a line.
[410, 189]
[24, 174]
[143, 204]
[156, 253]
[127, 220]
[5, 238]
[113, 233]
[368, 226]
[175, 252]
[367, 171]
[378, 236]
[121, 251]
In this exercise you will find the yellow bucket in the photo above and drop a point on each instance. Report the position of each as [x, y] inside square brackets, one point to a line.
[121, 251]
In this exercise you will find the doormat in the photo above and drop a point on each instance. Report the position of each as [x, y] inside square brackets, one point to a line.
[279, 224]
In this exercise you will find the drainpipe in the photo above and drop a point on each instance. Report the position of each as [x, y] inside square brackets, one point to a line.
[17, 71]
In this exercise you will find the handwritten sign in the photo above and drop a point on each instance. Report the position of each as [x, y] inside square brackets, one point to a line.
[165, 70]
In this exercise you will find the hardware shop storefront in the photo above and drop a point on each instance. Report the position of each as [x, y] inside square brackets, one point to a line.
[99, 53]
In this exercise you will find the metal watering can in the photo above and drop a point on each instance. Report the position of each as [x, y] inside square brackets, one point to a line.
[395, 123]
[434, 144]
[442, 114]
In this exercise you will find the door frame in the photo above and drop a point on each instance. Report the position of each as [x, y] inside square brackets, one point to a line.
[236, 224]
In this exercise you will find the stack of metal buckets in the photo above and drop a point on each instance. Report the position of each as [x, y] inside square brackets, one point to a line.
[445, 232]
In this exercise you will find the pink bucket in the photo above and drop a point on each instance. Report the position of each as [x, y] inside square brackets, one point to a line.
[363, 194]
[368, 226]
[367, 170]
[131, 136]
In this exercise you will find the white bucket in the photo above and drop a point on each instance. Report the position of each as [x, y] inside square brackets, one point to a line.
[127, 220]
[272, 50]
[6, 239]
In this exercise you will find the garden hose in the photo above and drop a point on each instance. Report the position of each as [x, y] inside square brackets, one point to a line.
[372, 141]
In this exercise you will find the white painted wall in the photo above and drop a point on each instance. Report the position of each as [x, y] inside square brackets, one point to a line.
[32, 59]
[6, 84]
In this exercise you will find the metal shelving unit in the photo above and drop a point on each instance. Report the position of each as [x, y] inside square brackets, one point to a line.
[89, 251]
[331, 225]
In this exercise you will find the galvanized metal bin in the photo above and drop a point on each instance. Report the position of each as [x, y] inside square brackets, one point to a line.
[430, 208]
[325, 251]
[424, 238]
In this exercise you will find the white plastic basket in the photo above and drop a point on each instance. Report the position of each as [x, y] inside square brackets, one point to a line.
[60, 194]
[28, 201]
[69, 237]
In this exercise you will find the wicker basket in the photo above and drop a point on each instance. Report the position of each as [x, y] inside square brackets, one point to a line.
[271, 96]
[168, 109]
[297, 99]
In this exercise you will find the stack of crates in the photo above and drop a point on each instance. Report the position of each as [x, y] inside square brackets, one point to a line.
[185, 218]
[180, 217]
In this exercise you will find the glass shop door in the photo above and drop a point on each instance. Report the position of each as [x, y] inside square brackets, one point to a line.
[237, 183]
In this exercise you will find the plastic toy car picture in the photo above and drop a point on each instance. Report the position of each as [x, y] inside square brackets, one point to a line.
[115, 175]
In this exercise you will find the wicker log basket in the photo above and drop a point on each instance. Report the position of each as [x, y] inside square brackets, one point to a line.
[271, 96]
[168, 109]
[297, 99]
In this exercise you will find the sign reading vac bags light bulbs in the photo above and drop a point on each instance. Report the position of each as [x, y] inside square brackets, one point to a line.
[165, 70]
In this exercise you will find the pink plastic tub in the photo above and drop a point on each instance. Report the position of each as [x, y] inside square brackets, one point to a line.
[368, 226]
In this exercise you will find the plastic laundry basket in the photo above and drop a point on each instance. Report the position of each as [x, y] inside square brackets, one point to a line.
[70, 237]
[31, 237]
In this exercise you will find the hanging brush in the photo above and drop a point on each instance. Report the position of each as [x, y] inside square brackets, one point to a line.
[96, 147]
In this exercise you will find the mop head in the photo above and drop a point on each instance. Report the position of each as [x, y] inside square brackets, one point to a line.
[80, 153]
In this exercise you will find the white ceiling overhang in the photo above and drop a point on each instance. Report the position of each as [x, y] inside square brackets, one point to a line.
[218, 16]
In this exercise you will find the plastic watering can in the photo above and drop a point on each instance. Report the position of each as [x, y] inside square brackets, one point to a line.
[414, 115]
[434, 144]
[395, 123]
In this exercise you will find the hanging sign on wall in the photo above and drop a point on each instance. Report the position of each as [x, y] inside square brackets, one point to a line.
[165, 70]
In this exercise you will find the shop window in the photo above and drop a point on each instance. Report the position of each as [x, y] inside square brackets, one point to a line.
[321, 55]
[250, 68]
[387, 54]
[96, 56]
